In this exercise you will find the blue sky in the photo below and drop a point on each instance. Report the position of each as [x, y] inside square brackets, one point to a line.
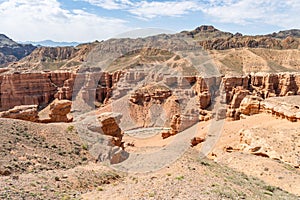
[88, 20]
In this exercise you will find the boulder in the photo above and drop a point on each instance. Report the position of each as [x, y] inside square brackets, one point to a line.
[197, 140]
[109, 123]
[59, 110]
[118, 155]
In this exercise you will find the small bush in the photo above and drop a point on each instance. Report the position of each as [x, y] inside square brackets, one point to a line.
[70, 128]
[85, 147]
[179, 178]
[204, 163]
[270, 188]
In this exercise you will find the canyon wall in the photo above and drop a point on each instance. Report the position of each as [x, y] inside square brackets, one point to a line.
[175, 94]
[37, 88]
[243, 94]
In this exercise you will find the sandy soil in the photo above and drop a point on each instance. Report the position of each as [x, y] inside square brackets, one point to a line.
[236, 174]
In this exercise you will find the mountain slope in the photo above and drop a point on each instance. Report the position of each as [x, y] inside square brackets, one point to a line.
[11, 51]
[266, 48]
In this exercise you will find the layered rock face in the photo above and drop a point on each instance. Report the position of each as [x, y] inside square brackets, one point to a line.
[189, 96]
[59, 110]
[284, 107]
[53, 58]
[245, 95]
[26, 112]
[38, 88]
[147, 104]
[251, 42]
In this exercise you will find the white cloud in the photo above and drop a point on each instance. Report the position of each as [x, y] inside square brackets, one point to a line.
[146, 9]
[242, 12]
[45, 19]
[153, 9]
[111, 4]
[273, 12]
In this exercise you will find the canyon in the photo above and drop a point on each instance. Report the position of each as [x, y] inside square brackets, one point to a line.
[244, 95]
[98, 109]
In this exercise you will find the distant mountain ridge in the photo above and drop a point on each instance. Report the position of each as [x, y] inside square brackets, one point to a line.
[51, 43]
[6, 41]
[286, 33]
[71, 54]
[11, 51]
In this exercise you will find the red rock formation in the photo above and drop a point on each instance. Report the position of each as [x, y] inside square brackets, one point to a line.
[106, 126]
[150, 97]
[180, 122]
[109, 123]
[40, 88]
[250, 105]
[59, 110]
[25, 112]
[196, 140]
[37, 88]
[283, 107]
[256, 87]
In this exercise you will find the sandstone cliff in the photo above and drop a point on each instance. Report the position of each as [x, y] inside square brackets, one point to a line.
[53, 58]
[244, 95]
[38, 88]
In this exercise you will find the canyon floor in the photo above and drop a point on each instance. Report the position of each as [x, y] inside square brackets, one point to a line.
[50, 162]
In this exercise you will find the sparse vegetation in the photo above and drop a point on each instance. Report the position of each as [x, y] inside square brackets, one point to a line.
[180, 178]
[270, 188]
[70, 128]
[85, 147]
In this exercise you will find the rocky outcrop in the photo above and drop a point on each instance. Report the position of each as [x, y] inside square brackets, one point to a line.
[152, 93]
[39, 88]
[244, 95]
[118, 155]
[146, 104]
[53, 53]
[54, 58]
[108, 124]
[205, 32]
[197, 140]
[111, 147]
[180, 122]
[250, 105]
[283, 107]
[59, 110]
[204, 99]
[25, 112]
[250, 42]
[287, 33]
